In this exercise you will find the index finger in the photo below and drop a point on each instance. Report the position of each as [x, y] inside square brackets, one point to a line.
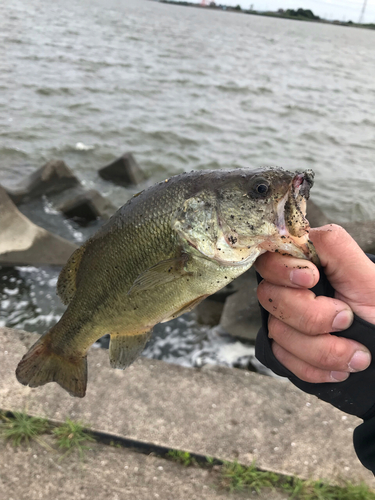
[284, 270]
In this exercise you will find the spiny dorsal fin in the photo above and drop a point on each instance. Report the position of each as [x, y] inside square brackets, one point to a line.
[125, 349]
[66, 284]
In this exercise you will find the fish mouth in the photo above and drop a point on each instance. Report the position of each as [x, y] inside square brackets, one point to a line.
[291, 209]
[292, 225]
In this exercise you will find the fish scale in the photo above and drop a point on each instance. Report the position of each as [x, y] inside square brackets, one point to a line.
[163, 252]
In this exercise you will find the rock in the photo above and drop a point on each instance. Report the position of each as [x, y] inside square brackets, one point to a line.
[55, 176]
[363, 233]
[315, 215]
[24, 243]
[65, 191]
[234, 307]
[124, 171]
[209, 311]
[241, 312]
[84, 206]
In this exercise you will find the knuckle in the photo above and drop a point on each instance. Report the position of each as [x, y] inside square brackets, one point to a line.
[334, 235]
[311, 321]
[312, 375]
[334, 355]
[317, 315]
[277, 328]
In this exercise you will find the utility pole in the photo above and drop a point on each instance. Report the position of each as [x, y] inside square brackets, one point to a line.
[362, 12]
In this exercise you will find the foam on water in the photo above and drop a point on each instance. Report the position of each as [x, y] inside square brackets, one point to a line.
[82, 147]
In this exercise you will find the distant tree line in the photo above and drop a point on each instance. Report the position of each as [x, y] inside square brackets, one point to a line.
[300, 14]
[306, 13]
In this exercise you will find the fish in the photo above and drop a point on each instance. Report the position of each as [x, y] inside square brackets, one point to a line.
[162, 253]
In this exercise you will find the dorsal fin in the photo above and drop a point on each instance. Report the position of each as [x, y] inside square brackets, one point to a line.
[66, 284]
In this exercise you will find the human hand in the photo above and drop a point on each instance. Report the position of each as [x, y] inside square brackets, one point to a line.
[300, 322]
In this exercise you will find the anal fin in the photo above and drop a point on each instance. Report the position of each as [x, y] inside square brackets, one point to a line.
[125, 349]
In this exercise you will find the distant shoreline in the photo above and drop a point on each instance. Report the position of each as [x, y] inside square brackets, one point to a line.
[305, 15]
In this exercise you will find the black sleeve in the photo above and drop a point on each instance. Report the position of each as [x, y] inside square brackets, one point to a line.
[356, 395]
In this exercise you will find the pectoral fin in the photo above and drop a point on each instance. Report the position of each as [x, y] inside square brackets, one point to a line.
[163, 272]
[125, 349]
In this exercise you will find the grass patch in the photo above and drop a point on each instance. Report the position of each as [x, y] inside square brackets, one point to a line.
[71, 436]
[237, 477]
[317, 490]
[182, 457]
[21, 428]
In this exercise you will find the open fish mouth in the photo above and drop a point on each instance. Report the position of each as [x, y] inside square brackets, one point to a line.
[291, 222]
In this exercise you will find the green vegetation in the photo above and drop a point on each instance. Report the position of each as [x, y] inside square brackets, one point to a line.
[298, 14]
[71, 436]
[20, 428]
[211, 461]
[317, 490]
[182, 457]
[236, 477]
[115, 444]
[301, 13]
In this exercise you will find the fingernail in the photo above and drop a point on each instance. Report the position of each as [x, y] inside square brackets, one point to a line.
[360, 361]
[302, 277]
[343, 320]
[339, 376]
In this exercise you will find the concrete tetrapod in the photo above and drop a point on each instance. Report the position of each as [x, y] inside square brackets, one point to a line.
[54, 177]
[22, 242]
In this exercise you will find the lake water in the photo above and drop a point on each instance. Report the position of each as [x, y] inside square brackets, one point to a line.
[182, 88]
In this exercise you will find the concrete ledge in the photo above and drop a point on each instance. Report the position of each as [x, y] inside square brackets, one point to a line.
[224, 413]
[107, 473]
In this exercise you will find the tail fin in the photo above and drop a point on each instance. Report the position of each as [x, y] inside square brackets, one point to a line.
[41, 365]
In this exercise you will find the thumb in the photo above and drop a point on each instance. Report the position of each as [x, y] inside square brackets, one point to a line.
[347, 267]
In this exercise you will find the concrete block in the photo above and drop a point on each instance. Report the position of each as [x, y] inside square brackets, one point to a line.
[55, 176]
[24, 243]
[124, 171]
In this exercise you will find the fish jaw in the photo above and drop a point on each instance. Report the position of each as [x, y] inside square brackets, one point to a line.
[293, 228]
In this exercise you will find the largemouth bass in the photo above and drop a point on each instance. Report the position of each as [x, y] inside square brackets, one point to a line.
[163, 252]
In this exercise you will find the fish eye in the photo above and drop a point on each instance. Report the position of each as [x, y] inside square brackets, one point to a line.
[261, 188]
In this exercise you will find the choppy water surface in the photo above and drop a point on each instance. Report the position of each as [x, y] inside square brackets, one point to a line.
[183, 88]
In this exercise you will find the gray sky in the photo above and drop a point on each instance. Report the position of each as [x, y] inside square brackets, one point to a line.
[329, 9]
